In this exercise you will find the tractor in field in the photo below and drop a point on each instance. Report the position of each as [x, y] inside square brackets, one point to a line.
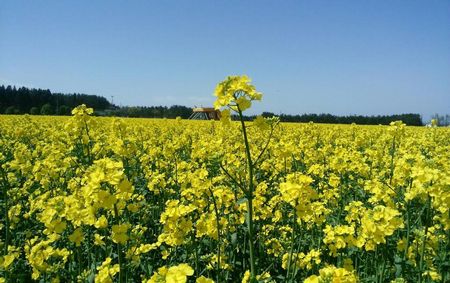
[204, 113]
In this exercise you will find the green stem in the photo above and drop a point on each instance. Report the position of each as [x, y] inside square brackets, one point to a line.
[249, 199]
[233, 179]
[265, 147]
[422, 250]
[5, 252]
[5, 190]
[292, 247]
[296, 250]
[407, 232]
[89, 143]
[392, 161]
[120, 263]
[218, 234]
[119, 254]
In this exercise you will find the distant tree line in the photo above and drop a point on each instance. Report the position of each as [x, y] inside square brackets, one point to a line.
[24, 100]
[42, 101]
[150, 111]
[409, 119]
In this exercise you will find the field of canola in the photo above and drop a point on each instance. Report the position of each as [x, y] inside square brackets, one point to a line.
[87, 199]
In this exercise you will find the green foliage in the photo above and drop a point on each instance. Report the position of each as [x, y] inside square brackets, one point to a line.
[152, 112]
[409, 119]
[46, 109]
[10, 110]
[63, 110]
[23, 99]
[34, 110]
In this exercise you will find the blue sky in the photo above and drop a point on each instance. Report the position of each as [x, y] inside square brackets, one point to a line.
[340, 57]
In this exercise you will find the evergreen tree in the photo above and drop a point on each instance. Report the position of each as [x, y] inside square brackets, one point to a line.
[46, 109]
[10, 110]
[34, 110]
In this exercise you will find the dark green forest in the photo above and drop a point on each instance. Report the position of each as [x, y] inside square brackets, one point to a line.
[151, 111]
[409, 119]
[42, 101]
[33, 101]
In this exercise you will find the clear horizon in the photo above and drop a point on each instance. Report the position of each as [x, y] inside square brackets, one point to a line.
[351, 57]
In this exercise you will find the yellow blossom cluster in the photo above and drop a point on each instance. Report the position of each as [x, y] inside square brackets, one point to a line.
[332, 274]
[87, 198]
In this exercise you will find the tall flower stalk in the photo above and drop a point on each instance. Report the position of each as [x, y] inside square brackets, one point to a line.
[236, 93]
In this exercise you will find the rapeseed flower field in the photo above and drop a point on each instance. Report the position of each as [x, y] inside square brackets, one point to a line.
[92, 199]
